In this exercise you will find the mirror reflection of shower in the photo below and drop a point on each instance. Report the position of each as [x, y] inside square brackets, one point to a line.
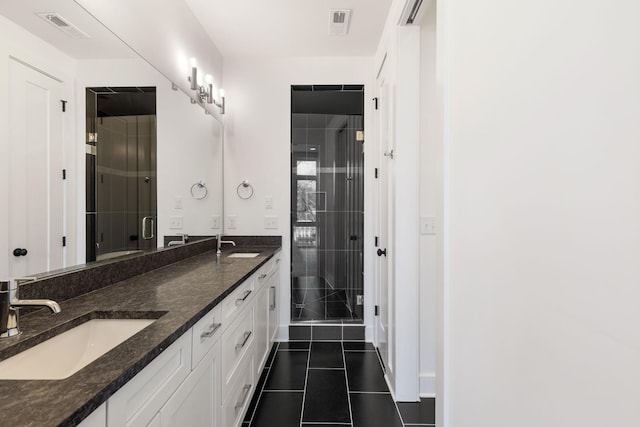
[121, 164]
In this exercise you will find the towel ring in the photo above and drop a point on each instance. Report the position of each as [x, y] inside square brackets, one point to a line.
[199, 190]
[247, 193]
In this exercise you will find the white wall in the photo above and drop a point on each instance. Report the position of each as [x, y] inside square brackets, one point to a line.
[189, 145]
[258, 139]
[545, 213]
[431, 193]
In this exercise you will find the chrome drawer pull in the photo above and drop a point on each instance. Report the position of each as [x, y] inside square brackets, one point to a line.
[245, 394]
[244, 297]
[244, 341]
[272, 298]
[212, 330]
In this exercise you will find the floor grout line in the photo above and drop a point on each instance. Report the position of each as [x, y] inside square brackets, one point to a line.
[346, 382]
[304, 392]
[255, 408]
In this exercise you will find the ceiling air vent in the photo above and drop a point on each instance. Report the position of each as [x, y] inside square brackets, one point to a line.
[63, 25]
[339, 22]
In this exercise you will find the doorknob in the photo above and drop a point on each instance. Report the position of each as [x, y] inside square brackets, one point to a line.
[382, 252]
[19, 252]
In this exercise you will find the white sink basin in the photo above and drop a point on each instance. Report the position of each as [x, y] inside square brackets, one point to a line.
[65, 354]
[244, 254]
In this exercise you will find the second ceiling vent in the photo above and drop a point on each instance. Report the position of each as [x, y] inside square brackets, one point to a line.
[339, 22]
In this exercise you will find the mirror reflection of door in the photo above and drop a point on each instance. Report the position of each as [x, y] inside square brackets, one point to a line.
[121, 171]
[36, 186]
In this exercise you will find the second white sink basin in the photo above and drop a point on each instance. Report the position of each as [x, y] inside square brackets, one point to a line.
[65, 354]
[244, 254]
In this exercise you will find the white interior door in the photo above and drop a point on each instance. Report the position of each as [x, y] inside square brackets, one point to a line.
[381, 326]
[36, 198]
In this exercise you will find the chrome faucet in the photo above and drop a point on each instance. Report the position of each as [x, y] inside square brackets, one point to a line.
[185, 239]
[10, 304]
[220, 242]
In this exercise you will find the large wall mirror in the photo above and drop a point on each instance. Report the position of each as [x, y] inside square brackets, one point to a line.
[101, 156]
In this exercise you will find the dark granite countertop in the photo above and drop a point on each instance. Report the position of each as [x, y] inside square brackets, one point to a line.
[178, 295]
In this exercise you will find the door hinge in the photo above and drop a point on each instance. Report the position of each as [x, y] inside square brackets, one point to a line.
[64, 174]
[64, 241]
[360, 135]
[375, 103]
[64, 105]
[376, 311]
[376, 173]
[92, 137]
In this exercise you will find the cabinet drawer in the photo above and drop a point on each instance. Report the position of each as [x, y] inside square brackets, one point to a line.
[141, 398]
[236, 342]
[239, 299]
[238, 394]
[205, 334]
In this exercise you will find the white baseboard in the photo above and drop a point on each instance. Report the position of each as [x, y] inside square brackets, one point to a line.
[427, 385]
[283, 333]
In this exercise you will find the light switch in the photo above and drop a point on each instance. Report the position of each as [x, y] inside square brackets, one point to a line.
[268, 202]
[427, 225]
[215, 221]
[232, 221]
[177, 202]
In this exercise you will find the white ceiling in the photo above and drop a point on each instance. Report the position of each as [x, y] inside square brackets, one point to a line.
[290, 27]
[236, 27]
[102, 44]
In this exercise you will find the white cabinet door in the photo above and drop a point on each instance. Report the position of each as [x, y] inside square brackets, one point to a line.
[197, 400]
[98, 418]
[260, 328]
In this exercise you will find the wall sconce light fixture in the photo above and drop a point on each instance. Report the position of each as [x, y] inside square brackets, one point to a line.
[204, 92]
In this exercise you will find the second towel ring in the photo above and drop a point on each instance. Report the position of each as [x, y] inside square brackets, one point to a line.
[247, 193]
[199, 190]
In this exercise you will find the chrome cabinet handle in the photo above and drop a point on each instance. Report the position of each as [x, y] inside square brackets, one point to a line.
[262, 276]
[212, 330]
[243, 298]
[272, 298]
[245, 393]
[247, 334]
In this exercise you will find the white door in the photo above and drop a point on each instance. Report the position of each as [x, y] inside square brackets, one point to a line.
[36, 201]
[382, 331]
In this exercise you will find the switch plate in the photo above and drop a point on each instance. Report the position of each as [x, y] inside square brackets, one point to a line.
[175, 222]
[232, 221]
[215, 221]
[268, 202]
[270, 222]
[427, 225]
[177, 202]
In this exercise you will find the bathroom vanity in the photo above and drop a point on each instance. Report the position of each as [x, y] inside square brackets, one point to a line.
[197, 363]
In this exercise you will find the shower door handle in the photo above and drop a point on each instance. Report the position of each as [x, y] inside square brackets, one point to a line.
[144, 228]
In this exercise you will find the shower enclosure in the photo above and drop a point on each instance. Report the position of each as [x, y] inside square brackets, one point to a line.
[327, 203]
[121, 171]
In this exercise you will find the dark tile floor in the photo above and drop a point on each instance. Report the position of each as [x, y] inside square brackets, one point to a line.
[313, 298]
[321, 384]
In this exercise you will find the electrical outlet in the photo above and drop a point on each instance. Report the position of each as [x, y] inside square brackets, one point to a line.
[427, 225]
[270, 222]
[268, 202]
[175, 222]
[215, 221]
[232, 221]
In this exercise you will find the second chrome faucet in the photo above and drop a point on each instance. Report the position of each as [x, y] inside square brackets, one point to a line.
[221, 242]
[10, 304]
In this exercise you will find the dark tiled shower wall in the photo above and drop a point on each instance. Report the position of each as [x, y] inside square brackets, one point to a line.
[344, 332]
